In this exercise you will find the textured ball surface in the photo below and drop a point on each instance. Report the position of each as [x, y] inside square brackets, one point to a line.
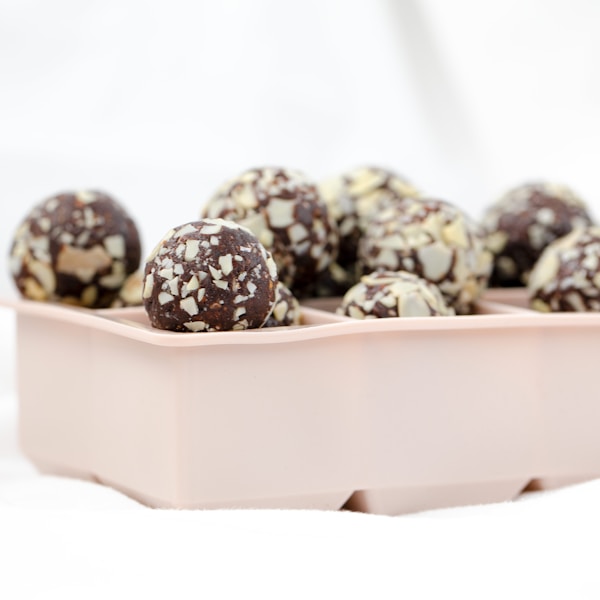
[523, 222]
[285, 212]
[436, 241]
[130, 293]
[385, 294]
[209, 275]
[286, 310]
[353, 198]
[567, 275]
[76, 248]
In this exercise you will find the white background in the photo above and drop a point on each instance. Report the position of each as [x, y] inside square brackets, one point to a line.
[158, 103]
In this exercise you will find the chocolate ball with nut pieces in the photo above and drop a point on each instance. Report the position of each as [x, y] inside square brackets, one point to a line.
[436, 241]
[209, 275]
[286, 310]
[285, 212]
[75, 247]
[566, 277]
[354, 197]
[384, 294]
[523, 222]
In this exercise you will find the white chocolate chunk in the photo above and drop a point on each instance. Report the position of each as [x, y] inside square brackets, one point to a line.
[211, 229]
[115, 245]
[280, 311]
[164, 298]
[436, 260]
[89, 295]
[185, 230]
[189, 305]
[226, 263]
[174, 286]
[281, 212]
[413, 305]
[216, 273]
[545, 270]
[355, 312]
[220, 283]
[365, 180]
[297, 232]
[196, 326]
[192, 284]
[148, 286]
[82, 263]
[191, 249]
[44, 274]
[455, 234]
[86, 196]
[34, 290]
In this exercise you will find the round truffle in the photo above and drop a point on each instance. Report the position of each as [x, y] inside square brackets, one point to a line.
[385, 294]
[76, 248]
[566, 277]
[523, 222]
[436, 241]
[209, 275]
[285, 212]
[286, 310]
[353, 198]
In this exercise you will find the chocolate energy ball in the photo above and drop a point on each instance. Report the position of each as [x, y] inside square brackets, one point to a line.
[566, 277]
[75, 247]
[285, 212]
[393, 294]
[523, 222]
[286, 310]
[436, 241]
[353, 198]
[209, 275]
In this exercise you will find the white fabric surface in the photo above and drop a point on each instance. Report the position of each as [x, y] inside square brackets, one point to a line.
[159, 104]
[68, 539]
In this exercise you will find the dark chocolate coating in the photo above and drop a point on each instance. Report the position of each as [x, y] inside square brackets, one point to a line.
[286, 310]
[523, 222]
[76, 248]
[384, 294]
[566, 277]
[209, 275]
[285, 212]
[334, 281]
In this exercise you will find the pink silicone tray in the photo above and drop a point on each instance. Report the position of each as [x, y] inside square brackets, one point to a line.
[385, 416]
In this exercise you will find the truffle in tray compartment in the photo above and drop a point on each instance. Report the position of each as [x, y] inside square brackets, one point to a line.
[524, 221]
[209, 275]
[433, 239]
[384, 294]
[566, 277]
[76, 248]
[285, 211]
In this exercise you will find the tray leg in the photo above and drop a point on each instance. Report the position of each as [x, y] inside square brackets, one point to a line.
[552, 483]
[324, 501]
[412, 499]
